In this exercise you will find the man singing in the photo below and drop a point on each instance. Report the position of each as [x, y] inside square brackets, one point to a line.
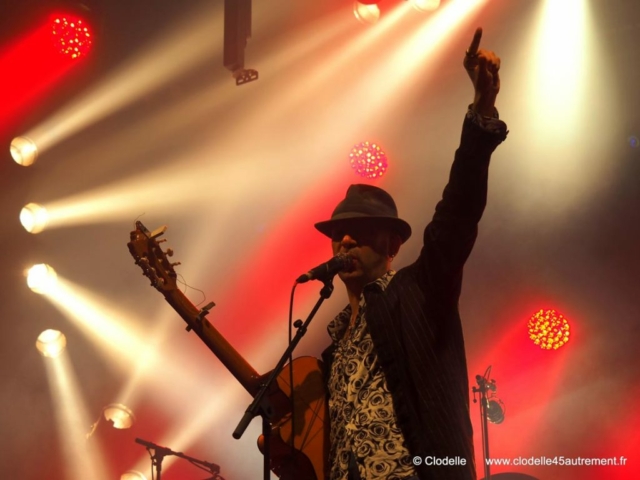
[397, 374]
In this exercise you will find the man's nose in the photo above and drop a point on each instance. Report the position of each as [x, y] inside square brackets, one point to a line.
[348, 241]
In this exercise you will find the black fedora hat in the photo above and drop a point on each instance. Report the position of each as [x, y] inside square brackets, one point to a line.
[366, 203]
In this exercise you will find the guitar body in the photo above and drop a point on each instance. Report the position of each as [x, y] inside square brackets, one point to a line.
[308, 458]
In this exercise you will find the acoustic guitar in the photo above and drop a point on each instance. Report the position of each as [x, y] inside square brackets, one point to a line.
[299, 455]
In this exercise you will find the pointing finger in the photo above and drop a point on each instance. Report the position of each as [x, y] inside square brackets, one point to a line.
[475, 43]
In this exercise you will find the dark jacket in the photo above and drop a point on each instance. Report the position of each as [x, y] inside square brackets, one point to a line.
[415, 324]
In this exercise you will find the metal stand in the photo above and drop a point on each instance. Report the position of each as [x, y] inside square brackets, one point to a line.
[484, 385]
[160, 452]
[260, 406]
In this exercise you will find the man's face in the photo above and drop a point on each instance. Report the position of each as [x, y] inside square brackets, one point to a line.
[368, 245]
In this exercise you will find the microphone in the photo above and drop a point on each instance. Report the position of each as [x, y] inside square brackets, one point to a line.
[157, 448]
[484, 383]
[327, 270]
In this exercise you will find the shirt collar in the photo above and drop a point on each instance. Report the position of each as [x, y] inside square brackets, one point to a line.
[338, 325]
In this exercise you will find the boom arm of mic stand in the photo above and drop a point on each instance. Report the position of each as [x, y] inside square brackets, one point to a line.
[161, 452]
[258, 401]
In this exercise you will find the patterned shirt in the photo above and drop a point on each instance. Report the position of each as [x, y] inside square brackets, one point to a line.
[363, 420]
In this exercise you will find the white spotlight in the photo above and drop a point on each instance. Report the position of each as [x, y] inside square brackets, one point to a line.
[365, 13]
[33, 218]
[51, 343]
[24, 151]
[425, 5]
[132, 475]
[42, 278]
[120, 416]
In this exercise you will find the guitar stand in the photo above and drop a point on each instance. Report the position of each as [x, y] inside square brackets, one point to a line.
[260, 404]
[160, 452]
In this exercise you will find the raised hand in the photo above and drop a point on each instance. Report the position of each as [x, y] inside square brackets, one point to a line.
[483, 68]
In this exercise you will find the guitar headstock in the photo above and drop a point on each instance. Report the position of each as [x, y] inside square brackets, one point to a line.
[155, 265]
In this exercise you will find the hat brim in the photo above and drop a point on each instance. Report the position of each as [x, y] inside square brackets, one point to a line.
[396, 225]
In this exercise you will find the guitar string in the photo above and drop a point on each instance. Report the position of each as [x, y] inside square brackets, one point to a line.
[180, 279]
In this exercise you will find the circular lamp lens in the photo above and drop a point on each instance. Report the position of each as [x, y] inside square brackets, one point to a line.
[365, 13]
[23, 151]
[132, 475]
[425, 5]
[33, 218]
[119, 415]
[42, 278]
[51, 343]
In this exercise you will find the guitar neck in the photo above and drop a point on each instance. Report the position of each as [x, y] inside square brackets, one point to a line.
[222, 349]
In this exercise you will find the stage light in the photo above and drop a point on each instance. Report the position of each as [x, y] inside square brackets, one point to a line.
[425, 5]
[367, 13]
[42, 278]
[51, 343]
[368, 160]
[33, 218]
[23, 151]
[119, 416]
[133, 475]
[71, 35]
[548, 329]
[495, 410]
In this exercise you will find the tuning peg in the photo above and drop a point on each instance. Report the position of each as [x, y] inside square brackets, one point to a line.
[176, 264]
[158, 231]
[169, 252]
[162, 241]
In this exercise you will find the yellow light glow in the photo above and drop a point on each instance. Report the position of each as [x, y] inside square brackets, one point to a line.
[188, 45]
[561, 102]
[51, 343]
[42, 278]
[123, 340]
[132, 475]
[33, 218]
[560, 60]
[368, 14]
[23, 151]
[410, 63]
[82, 460]
[228, 180]
[119, 415]
[425, 5]
[227, 401]
[105, 325]
[548, 329]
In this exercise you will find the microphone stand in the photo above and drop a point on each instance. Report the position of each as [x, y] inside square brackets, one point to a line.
[484, 386]
[260, 406]
[160, 452]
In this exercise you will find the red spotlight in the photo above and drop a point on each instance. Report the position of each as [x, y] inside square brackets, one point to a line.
[368, 160]
[548, 329]
[71, 35]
